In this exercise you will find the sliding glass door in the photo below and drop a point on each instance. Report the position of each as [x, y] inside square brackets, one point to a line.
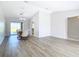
[14, 27]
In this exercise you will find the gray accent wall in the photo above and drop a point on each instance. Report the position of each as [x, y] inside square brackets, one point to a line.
[73, 28]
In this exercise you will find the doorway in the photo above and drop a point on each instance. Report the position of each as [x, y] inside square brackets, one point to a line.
[14, 26]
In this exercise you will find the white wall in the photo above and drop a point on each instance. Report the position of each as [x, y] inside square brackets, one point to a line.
[2, 26]
[35, 19]
[26, 26]
[59, 22]
[7, 26]
[44, 23]
[42, 26]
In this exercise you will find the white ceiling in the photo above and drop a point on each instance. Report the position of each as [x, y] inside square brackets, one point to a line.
[56, 5]
[14, 8]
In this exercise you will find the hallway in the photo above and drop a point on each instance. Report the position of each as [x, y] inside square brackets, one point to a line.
[34, 47]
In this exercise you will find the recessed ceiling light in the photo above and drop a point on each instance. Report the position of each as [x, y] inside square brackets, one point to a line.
[46, 8]
[25, 1]
[21, 14]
